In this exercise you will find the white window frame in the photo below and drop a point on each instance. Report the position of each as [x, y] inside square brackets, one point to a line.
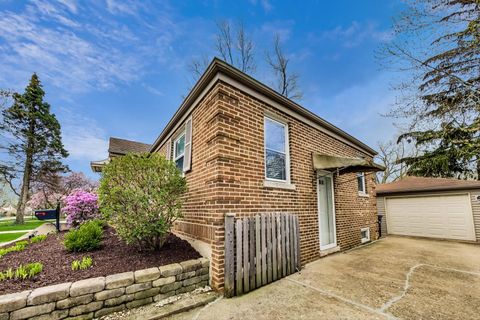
[287, 154]
[175, 158]
[363, 192]
[367, 238]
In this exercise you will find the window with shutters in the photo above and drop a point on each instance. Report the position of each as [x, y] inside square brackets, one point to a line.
[181, 147]
[179, 151]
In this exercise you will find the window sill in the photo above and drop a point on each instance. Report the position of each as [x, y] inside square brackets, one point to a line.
[363, 195]
[278, 185]
[326, 252]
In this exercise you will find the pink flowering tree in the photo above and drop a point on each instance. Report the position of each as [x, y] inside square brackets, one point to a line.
[50, 189]
[81, 206]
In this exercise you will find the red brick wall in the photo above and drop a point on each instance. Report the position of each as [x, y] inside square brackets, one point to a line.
[203, 215]
[228, 176]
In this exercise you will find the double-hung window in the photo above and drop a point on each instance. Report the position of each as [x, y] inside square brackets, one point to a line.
[276, 151]
[179, 151]
[182, 147]
[362, 186]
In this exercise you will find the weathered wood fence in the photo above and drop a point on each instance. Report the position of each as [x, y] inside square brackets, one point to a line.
[259, 250]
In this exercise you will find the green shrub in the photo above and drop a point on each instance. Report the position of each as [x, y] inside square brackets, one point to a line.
[140, 195]
[87, 237]
[23, 272]
[101, 223]
[38, 238]
[83, 264]
[34, 269]
[9, 274]
[21, 244]
[18, 246]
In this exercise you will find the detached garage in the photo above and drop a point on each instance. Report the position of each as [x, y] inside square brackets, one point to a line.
[430, 207]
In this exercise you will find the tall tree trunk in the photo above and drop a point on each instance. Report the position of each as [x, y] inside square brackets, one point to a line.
[27, 173]
[22, 200]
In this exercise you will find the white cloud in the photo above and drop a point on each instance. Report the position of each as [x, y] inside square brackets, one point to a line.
[265, 4]
[83, 138]
[122, 7]
[64, 58]
[153, 90]
[357, 33]
[359, 110]
[70, 4]
[53, 11]
[81, 48]
[281, 27]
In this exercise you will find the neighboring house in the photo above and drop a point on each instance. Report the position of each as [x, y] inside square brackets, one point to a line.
[119, 147]
[245, 149]
[8, 211]
[431, 207]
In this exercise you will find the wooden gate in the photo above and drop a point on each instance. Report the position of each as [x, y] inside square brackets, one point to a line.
[259, 250]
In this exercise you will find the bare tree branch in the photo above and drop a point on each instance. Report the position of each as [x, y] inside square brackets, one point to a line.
[390, 155]
[224, 42]
[8, 178]
[287, 83]
[232, 46]
[245, 50]
[198, 66]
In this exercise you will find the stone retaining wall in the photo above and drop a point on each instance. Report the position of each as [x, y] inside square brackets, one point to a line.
[96, 297]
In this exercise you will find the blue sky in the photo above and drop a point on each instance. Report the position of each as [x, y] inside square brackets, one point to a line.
[120, 68]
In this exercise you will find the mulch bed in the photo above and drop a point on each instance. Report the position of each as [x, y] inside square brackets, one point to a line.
[113, 257]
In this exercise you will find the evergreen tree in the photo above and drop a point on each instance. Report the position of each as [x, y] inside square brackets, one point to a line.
[33, 141]
[438, 42]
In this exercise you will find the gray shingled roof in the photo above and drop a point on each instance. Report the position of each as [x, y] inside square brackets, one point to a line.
[119, 146]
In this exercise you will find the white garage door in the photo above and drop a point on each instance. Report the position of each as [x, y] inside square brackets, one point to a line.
[448, 217]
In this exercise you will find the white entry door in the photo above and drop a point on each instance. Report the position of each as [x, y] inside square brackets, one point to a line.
[444, 216]
[326, 211]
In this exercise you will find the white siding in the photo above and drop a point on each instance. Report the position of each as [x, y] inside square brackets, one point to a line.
[476, 211]
[381, 212]
[475, 203]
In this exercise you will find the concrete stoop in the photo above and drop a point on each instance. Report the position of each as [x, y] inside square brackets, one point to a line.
[168, 307]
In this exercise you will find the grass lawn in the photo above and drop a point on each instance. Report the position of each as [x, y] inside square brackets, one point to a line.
[5, 237]
[29, 224]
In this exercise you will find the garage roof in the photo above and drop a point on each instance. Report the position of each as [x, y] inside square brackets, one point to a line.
[419, 184]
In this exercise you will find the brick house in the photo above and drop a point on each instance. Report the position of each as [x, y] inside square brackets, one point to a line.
[245, 149]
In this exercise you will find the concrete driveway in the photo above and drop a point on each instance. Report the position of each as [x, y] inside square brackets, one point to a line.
[393, 278]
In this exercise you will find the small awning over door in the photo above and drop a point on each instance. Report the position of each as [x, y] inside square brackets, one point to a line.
[327, 162]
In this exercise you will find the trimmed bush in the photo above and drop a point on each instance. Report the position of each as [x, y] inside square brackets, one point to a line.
[87, 237]
[140, 195]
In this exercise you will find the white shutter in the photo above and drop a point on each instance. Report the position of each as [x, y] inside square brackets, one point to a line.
[169, 150]
[187, 161]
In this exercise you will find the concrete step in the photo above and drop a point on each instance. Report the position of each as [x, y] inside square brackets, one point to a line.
[168, 307]
[185, 304]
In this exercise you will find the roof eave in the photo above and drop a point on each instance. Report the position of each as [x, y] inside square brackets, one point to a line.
[207, 76]
[217, 66]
